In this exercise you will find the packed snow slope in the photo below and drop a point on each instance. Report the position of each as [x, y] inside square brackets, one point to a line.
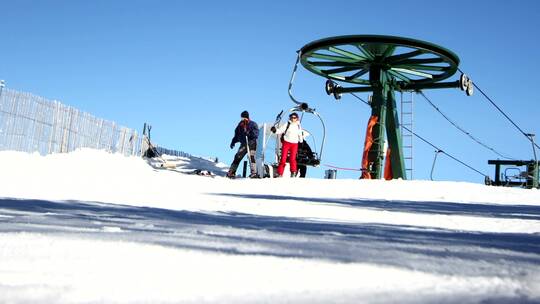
[93, 227]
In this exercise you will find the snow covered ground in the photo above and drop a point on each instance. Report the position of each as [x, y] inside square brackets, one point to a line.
[92, 227]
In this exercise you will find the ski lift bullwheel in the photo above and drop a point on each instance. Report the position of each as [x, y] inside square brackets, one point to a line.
[360, 59]
[381, 65]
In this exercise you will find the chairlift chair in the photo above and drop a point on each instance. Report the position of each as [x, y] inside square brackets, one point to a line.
[269, 147]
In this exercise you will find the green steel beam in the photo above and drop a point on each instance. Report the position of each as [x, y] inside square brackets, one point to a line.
[403, 86]
[389, 51]
[393, 134]
[334, 63]
[413, 72]
[332, 57]
[365, 52]
[436, 85]
[376, 152]
[345, 53]
[422, 61]
[422, 67]
[398, 58]
[341, 70]
[400, 76]
[354, 89]
[358, 74]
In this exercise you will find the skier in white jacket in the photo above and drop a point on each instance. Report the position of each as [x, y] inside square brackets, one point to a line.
[292, 134]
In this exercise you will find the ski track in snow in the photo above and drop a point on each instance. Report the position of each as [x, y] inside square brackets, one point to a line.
[90, 227]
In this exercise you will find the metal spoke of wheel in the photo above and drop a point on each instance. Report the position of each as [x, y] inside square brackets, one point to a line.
[335, 58]
[400, 76]
[358, 74]
[421, 61]
[365, 52]
[333, 63]
[341, 70]
[413, 72]
[346, 53]
[422, 67]
[397, 58]
[389, 51]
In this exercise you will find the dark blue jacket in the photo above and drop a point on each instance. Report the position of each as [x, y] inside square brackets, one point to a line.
[251, 130]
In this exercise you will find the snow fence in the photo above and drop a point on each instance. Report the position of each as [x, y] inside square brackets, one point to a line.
[31, 123]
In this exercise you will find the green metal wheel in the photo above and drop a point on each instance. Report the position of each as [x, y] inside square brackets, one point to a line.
[358, 59]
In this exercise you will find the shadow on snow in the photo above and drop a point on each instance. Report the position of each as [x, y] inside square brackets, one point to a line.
[527, 212]
[413, 247]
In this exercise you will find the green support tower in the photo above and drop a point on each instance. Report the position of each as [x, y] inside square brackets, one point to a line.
[382, 65]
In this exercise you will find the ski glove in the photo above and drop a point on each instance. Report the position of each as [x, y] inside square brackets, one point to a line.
[232, 145]
[273, 129]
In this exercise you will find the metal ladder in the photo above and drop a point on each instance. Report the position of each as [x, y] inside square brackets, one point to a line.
[407, 120]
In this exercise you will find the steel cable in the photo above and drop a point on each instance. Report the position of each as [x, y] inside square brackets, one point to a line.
[502, 112]
[442, 151]
[461, 129]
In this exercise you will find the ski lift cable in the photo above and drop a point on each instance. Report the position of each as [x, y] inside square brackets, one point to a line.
[442, 151]
[460, 128]
[527, 135]
[359, 98]
[341, 168]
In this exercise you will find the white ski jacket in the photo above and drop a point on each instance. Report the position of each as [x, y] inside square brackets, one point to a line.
[294, 133]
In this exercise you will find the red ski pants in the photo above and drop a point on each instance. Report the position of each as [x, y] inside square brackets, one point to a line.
[291, 149]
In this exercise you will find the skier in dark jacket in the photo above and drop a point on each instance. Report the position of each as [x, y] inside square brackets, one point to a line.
[246, 133]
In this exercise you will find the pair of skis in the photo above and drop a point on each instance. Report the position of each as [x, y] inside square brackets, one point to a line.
[163, 163]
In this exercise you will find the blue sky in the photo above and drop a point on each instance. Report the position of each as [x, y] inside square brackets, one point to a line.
[190, 67]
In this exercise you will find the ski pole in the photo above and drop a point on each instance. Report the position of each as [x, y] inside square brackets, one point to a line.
[248, 151]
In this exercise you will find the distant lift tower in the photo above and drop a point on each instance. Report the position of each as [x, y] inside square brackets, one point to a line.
[382, 65]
